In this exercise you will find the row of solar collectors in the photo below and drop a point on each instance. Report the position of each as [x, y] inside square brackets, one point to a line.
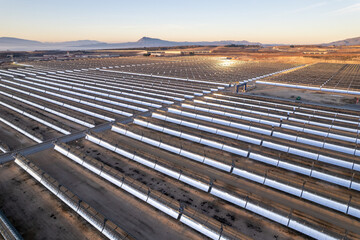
[138, 84]
[348, 78]
[259, 72]
[149, 196]
[323, 171]
[127, 97]
[32, 88]
[315, 74]
[346, 125]
[209, 69]
[328, 120]
[98, 221]
[325, 76]
[34, 119]
[219, 188]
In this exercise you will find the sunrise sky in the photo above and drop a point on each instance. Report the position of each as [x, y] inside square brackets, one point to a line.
[291, 21]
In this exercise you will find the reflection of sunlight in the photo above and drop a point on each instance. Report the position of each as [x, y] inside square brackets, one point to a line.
[226, 62]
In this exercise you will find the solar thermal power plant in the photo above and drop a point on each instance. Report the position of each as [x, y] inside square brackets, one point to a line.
[332, 77]
[166, 148]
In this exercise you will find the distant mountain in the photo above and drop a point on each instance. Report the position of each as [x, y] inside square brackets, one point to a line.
[16, 44]
[156, 42]
[9, 43]
[346, 42]
[17, 41]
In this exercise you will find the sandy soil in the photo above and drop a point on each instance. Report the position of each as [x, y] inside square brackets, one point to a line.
[306, 95]
[35, 212]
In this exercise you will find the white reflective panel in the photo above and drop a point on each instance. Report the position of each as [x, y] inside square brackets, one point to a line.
[276, 124]
[355, 185]
[335, 161]
[172, 120]
[211, 143]
[170, 148]
[325, 202]
[143, 161]
[284, 136]
[208, 129]
[339, 148]
[21, 130]
[354, 212]
[266, 213]
[111, 179]
[310, 142]
[188, 114]
[167, 171]
[140, 122]
[108, 146]
[248, 175]
[172, 132]
[174, 110]
[294, 168]
[193, 156]
[194, 183]
[92, 139]
[198, 227]
[153, 126]
[91, 168]
[260, 130]
[190, 137]
[227, 134]
[151, 141]
[189, 124]
[163, 208]
[217, 164]
[357, 167]
[237, 151]
[133, 135]
[134, 192]
[118, 130]
[264, 159]
[275, 146]
[283, 187]
[204, 118]
[61, 150]
[303, 153]
[345, 129]
[239, 126]
[330, 178]
[298, 120]
[342, 137]
[228, 197]
[249, 139]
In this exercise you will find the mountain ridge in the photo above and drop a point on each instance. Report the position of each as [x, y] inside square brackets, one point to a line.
[345, 42]
[18, 44]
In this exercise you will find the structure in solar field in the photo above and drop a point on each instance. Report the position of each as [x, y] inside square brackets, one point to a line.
[329, 77]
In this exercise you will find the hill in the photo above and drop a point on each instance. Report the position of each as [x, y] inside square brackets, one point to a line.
[16, 44]
[345, 42]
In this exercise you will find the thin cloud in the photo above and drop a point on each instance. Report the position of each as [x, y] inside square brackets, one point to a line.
[316, 5]
[346, 10]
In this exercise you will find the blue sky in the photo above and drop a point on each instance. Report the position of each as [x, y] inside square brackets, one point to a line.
[291, 21]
